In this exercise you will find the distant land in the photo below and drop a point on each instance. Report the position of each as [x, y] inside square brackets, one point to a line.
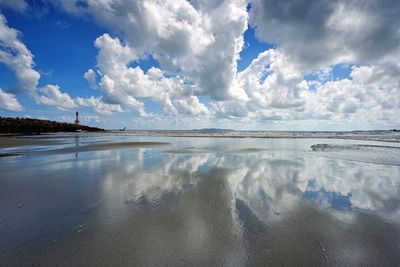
[36, 126]
[213, 130]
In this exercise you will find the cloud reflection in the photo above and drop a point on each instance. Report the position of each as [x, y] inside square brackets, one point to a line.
[151, 207]
[269, 183]
[212, 201]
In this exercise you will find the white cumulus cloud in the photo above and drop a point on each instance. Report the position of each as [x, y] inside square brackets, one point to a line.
[90, 77]
[9, 102]
[196, 46]
[51, 95]
[98, 105]
[15, 55]
[199, 40]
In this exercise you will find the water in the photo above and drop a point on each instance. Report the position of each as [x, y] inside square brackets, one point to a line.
[198, 202]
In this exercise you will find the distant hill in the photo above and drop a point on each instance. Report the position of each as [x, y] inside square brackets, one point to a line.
[35, 126]
[213, 130]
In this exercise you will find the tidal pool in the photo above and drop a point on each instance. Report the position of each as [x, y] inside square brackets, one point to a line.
[198, 202]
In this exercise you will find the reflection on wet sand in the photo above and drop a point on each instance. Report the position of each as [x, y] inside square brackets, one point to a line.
[146, 207]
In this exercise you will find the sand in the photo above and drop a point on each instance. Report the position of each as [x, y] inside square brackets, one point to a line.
[15, 142]
[203, 206]
[105, 146]
[384, 155]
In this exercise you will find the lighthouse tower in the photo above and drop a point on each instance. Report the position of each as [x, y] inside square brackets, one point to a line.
[77, 118]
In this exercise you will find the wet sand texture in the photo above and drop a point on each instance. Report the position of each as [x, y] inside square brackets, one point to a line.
[15, 142]
[386, 155]
[282, 206]
[86, 148]
[104, 146]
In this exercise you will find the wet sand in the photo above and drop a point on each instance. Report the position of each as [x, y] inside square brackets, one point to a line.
[248, 150]
[104, 146]
[15, 142]
[374, 154]
[270, 203]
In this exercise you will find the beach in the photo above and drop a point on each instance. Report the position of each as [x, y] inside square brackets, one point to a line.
[199, 133]
[15, 142]
[149, 200]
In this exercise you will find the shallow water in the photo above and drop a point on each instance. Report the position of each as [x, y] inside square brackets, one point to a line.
[198, 202]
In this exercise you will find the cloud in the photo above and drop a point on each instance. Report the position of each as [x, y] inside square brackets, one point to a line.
[271, 88]
[15, 55]
[50, 95]
[90, 77]
[17, 5]
[197, 44]
[198, 40]
[272, 81]
[98, 105]
[191, 106]
[278, 91]
[125, 85]
[316, 34]
[230, 109]
[369, 94]
[274, 85]
[9, 102]
[91, 119]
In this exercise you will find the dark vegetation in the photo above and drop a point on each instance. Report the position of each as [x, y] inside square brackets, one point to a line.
[35, 126]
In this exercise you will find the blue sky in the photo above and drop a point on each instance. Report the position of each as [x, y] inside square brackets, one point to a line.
[62, 46]
[251, 69]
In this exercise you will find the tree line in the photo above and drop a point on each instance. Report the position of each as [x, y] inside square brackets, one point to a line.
[36, 126]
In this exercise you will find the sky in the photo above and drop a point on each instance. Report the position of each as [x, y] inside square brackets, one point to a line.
[179, 64]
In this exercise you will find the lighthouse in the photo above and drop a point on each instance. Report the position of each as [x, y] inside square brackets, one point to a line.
[77, 118]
